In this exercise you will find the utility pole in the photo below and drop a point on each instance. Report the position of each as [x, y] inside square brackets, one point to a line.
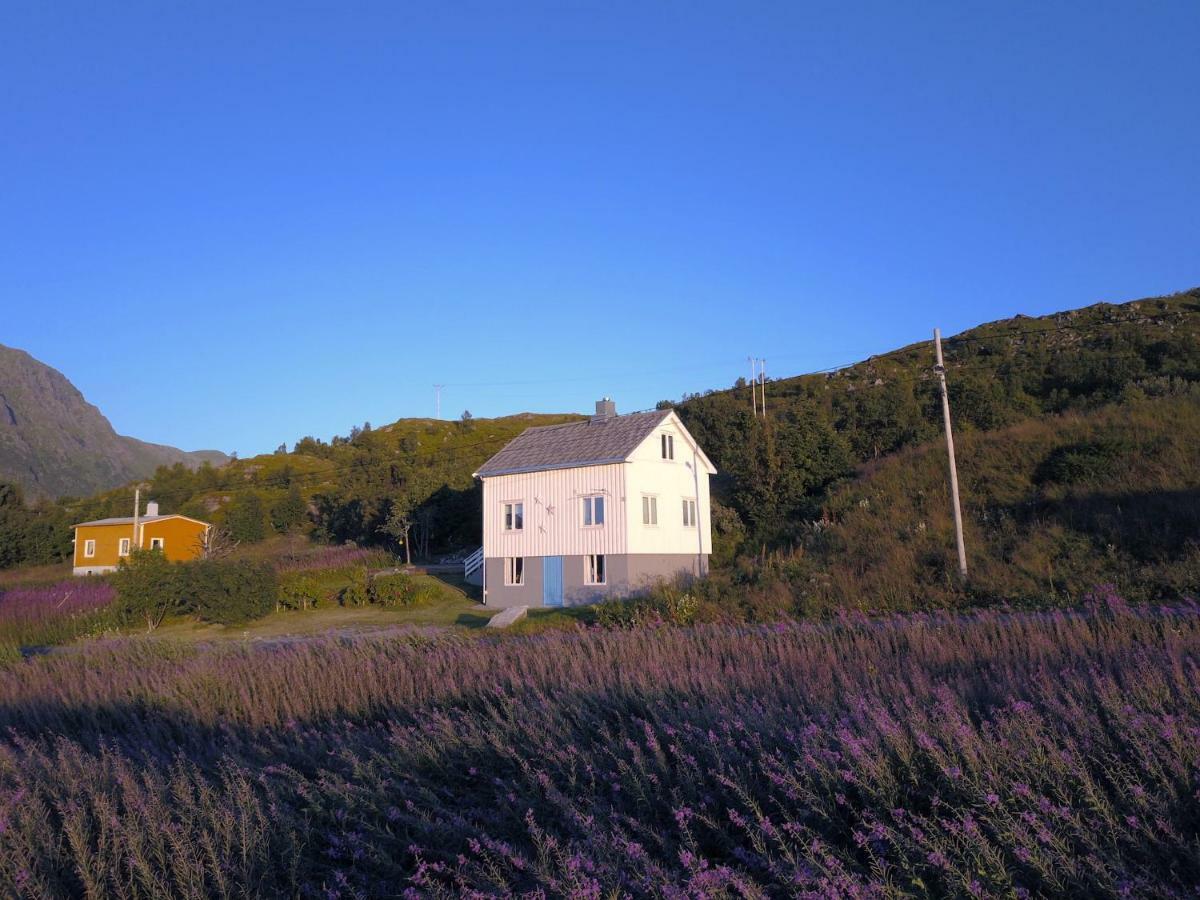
[958, 526]
[437, 388]
[762, 391]
[137, 502]
[753, 396]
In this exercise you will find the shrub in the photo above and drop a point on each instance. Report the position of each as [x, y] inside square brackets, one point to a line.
[148, 588]
[230, 592]
[300, 591]
[358, 591]
[401, 590]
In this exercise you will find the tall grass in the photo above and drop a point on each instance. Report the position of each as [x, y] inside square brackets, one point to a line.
[53, 614]
[1000, 753]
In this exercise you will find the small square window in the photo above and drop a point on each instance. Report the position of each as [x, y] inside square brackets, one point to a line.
[649, 510]
[593, 511]
[668, 446]
[514, 570]
[689, 513]
[123, 547]
[594, 569]
[89, 549]
[514, 516]
[156, 543]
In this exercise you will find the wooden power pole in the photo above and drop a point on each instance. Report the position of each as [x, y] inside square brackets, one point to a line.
[958, 526]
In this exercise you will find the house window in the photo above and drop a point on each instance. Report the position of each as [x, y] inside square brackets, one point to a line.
[514, 570]
[649, 510]
[593, 511]
[156, 543]
[123, 547]
[514, 516]
[89, 549]
[689, 513]
[594, 569]
[668, 446]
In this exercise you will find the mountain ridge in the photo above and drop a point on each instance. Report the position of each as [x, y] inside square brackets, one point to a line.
[54, 443]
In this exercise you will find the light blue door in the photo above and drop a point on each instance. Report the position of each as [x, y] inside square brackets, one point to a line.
[552, 582]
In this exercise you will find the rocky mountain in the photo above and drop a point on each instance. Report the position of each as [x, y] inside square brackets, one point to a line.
[54, 443]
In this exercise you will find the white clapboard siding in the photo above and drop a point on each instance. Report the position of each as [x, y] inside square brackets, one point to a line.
[670, 481]
[554, 512]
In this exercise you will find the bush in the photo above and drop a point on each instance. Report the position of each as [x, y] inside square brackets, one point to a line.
[358, 591]
[148, 588]
[663, 604]
[401, 590]
[301, 591]
[230, 592]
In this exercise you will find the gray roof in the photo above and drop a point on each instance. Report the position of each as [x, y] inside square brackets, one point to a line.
[591, 443]
[128, 520]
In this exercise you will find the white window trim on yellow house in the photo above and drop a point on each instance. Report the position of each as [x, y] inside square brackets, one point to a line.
[89, 549]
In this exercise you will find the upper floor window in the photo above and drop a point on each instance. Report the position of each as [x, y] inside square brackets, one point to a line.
[594, 569]
[156, 543]
[514, 570]
[593, 510]
[689, 513]
[123, 547]
[514, 516]
[649, 510]
[668, 446]
[89, 548]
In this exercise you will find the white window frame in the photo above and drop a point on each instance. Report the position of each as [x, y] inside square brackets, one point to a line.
[89, 548]
[588, 511]
[650, 510]
[157, 543]
[510, 512]
[689, 512]
[668, 445]
[591, 563]
[514, 571]
[123, 546]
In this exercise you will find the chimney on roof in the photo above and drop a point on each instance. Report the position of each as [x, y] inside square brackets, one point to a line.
[151, 508]
[605, 409]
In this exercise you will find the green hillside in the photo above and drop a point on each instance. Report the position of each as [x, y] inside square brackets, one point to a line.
[343, 489]
[1077, 439]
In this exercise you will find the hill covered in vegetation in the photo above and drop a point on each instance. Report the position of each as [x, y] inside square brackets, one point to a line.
[1077, 441]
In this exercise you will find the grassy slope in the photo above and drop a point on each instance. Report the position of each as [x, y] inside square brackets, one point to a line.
[1052, 508]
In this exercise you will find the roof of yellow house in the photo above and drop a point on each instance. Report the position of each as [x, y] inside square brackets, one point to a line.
[142, 520]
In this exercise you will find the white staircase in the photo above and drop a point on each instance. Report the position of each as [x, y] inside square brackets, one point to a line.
[473, 566]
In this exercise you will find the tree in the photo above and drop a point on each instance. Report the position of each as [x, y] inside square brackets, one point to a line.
[230, 592]
[244, 518]
[398, 525]
[217, 543]
[147, 587]
[290, 512]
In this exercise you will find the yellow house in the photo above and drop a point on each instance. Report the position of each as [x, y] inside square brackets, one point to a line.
[99, 545]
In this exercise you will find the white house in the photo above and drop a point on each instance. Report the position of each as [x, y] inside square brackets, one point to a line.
[579, 512]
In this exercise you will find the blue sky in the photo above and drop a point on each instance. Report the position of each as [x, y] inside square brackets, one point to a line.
[231, 225]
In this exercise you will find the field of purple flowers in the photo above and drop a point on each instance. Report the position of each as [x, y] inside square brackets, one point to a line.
[994, 754]
[52, 614]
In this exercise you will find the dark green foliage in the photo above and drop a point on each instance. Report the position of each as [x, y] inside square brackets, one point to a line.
[149, 588]
[1083, 463]
[31, 534]
[400, 590]
[229, 592]
[358, 591]
[245, 519]
[290, 512]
